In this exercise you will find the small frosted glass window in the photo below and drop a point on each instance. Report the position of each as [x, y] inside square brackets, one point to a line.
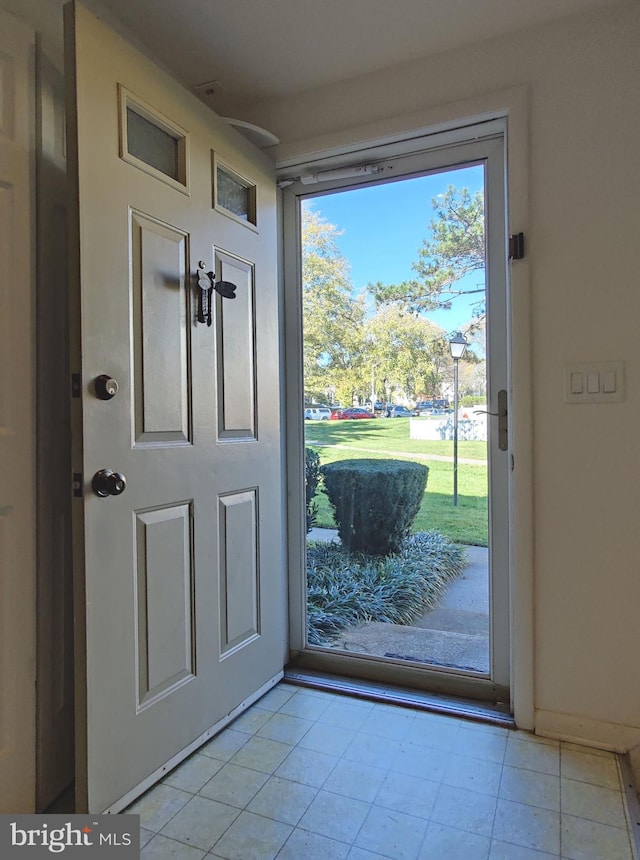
[153, 145]
[235, 195]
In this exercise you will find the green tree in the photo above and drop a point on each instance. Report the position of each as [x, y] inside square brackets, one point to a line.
[333, 315]
[405, 349]
[455, 248]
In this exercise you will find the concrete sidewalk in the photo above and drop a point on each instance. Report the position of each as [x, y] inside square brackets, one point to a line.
[411, 454]
[455, 634]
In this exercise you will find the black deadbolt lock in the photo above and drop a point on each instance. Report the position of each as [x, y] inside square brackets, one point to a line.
[105, 386]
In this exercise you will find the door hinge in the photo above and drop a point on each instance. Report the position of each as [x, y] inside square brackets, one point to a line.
[77, 485]
[76, 385]
[516, 246]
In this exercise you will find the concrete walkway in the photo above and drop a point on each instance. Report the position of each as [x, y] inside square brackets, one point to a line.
[413, 454]
[455, 634]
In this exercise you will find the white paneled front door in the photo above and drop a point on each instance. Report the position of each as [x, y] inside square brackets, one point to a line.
[180, 587]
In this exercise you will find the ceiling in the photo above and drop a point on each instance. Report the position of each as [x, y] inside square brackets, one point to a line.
[265, 49]
[268, 49]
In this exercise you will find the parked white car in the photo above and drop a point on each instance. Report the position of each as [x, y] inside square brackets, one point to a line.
[317, 412]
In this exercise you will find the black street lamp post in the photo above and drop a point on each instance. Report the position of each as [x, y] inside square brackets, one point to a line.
[457, 345]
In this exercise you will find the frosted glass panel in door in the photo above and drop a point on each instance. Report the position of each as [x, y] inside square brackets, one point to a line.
[153, 145]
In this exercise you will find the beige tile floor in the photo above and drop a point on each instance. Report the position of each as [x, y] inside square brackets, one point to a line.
[310, 775]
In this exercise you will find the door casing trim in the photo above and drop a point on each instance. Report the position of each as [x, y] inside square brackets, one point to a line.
[442, 125]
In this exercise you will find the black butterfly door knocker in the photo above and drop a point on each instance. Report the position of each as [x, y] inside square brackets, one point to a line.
[206, 285]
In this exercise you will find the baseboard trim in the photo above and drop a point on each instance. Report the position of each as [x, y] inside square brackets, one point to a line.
[600, 734]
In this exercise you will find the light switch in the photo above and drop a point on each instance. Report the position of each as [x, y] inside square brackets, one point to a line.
[594, 382]
[577, 383]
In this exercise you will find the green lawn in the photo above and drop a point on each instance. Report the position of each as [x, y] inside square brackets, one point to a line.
[385, 434]
[467, 523]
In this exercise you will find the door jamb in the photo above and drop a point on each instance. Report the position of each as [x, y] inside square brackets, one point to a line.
[76, 416]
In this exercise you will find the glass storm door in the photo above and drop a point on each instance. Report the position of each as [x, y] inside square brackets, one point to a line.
[401, 308]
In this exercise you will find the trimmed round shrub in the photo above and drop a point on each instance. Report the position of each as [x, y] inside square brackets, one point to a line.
[375, 501]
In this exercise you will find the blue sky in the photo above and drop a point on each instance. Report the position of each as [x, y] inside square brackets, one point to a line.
[384, 226]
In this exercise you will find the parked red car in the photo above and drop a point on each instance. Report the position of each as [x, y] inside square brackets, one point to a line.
[351, 412]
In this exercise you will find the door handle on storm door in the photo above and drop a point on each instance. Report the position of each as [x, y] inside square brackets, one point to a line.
[107, 483]
[503, 419]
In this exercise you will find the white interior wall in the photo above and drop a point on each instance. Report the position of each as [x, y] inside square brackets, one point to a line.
[582, 78]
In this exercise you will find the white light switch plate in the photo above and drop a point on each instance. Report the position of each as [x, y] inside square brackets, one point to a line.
[594, 382]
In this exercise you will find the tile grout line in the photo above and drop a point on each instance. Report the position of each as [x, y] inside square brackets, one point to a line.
[269, 776]
[624, 797]
[495, 814]
[631, 803]
[197, 794]
[317, 789]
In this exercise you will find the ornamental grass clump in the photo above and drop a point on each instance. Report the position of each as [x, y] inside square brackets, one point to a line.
[346, 588]
[375, 501]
